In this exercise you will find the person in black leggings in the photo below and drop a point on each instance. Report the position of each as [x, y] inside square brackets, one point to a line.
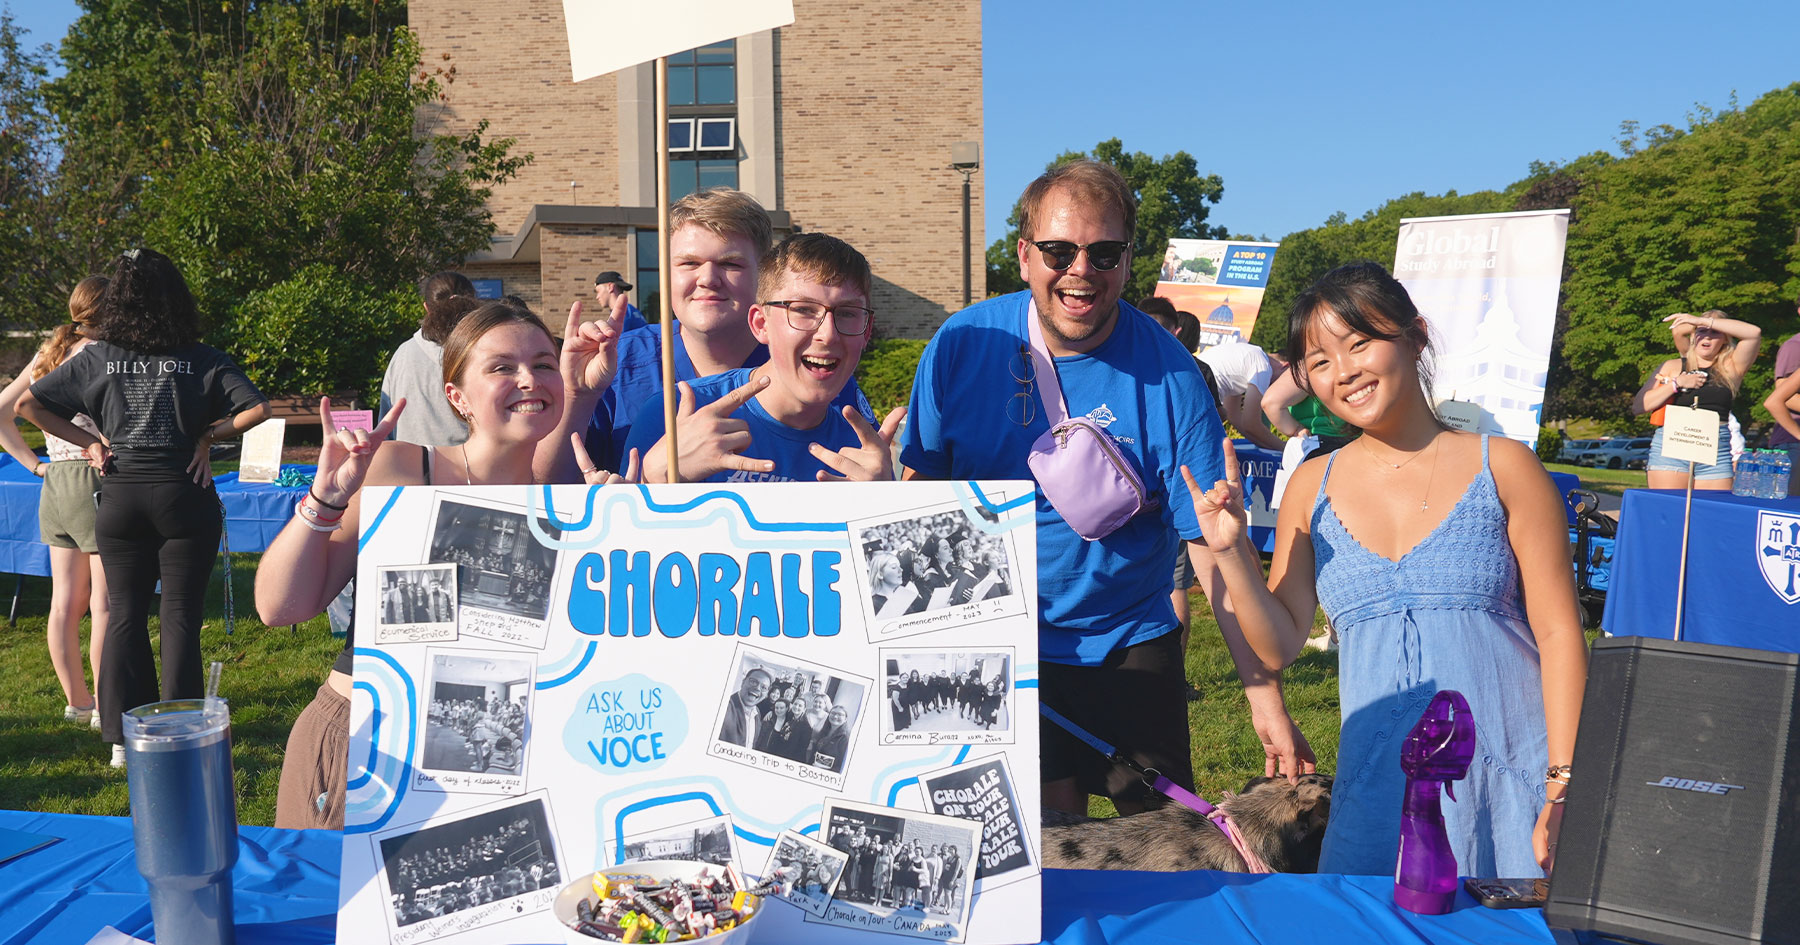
[160, 399]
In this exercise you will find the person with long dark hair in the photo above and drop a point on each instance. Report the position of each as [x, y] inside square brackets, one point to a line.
[160, 399]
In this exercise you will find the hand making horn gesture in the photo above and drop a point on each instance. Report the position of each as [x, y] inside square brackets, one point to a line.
[345, 455]
[591, 472]
[708, 438]
[590, 352]
[873, 461]
[1220, 510]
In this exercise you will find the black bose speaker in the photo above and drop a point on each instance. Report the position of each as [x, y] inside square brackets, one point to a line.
[1683, 820]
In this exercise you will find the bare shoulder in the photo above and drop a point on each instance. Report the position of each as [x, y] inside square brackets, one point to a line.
[397, 464]
[1518, 474]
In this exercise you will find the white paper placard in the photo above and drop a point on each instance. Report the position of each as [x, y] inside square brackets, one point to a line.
[586, 704]
[608, 35]
[260, 458]
[1690, 435]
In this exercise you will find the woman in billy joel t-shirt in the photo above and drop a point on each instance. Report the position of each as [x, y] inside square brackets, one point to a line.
[160, 399]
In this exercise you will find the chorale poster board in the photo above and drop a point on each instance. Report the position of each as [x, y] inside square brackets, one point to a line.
[549, 680]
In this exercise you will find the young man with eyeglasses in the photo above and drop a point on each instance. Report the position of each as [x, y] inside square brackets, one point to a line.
[781, 421]
[1110, 653]
[716, 238]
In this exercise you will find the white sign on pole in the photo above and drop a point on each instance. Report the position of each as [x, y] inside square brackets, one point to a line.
[607, 35]
[1690, 435]
[565, 678]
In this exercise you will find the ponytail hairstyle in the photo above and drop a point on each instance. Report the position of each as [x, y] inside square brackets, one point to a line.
[82, 303]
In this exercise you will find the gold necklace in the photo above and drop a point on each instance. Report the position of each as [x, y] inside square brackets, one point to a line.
[1424, 500]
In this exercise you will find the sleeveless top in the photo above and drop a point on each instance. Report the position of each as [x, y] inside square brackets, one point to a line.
[1447, 615]
[1712, 395]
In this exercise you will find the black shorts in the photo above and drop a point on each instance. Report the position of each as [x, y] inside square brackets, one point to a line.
[1137, 701]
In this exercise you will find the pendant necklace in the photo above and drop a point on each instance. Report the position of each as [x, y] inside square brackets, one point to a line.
[1425, 500]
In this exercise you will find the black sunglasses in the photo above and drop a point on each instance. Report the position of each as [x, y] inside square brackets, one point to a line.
[1103, 255]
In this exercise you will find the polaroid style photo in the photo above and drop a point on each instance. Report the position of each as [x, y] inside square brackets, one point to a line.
[706, 841]
[982, 790]
[486, 866]
[788, 716]
[416, 604]
[503, 574]
[954, 696]
[477, 719]
[933, 569]
[804, 871]
[915, 873]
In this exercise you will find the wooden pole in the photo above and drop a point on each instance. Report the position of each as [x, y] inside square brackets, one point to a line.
[1687, 519]
[670, 394]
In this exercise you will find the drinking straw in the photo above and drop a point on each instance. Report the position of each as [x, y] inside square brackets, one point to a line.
[212, 687]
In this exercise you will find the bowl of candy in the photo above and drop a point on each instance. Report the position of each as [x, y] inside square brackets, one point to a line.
[659, 901]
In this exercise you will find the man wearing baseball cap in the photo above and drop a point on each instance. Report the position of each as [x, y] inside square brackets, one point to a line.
[609, 285]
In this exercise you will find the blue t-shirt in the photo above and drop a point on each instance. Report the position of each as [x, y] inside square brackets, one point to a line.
[1094, 597]
[769, 437]
[633, 318]
[639, 382]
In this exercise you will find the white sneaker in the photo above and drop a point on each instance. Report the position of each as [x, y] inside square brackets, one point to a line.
[78, 716]
[118, 758]
[94, 723]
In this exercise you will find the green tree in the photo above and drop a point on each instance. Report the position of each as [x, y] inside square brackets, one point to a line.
[35, 283]
[1173, 203]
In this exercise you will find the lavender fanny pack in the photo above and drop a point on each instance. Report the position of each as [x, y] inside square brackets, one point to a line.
[1078, 466]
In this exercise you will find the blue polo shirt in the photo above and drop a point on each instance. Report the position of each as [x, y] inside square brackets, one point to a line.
[769, 438]
[639, 382]
[1094, 597]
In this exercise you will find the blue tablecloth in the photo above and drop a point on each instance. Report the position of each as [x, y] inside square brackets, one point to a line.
[1743, 579]
[286, 891]
[254, 513]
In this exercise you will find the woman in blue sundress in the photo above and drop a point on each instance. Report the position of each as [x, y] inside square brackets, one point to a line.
[1442, 559]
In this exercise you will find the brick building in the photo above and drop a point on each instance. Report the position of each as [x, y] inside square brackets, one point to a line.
[841, 123]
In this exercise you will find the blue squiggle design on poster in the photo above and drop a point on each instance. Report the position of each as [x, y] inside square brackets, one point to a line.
[703, 797]
[894, 790]
[746, 519]
[557, 665]
[380, 517]
[1007, 506]
[374, 726]
[397, 784]
[586, 658]
[967, 495]
[1025, 684]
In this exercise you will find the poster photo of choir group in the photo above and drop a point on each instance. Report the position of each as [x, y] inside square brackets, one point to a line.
[924, 572]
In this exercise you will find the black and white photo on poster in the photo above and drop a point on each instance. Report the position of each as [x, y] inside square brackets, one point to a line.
[503, 573]
[930, 569]
[962, 695]
[804, 871]
[782, 714]
[477, 720]
[488, 865]
[983, 790]
[907, 872]
[704, 841]
[417, 604]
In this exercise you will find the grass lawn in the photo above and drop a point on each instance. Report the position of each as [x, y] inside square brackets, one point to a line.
[1609, 481]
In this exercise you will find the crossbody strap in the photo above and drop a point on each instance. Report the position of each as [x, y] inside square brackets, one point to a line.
[1048, 383]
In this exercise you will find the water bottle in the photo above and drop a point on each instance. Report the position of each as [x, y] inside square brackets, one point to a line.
[1783, 472]
[1436, 752]
[1743, 478]
[1765, 476]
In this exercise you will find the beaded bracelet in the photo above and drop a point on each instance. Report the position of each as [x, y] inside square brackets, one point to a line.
[305, 516]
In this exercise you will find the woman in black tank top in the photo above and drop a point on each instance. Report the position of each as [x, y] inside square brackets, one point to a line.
[1715, 353]
[503, 375]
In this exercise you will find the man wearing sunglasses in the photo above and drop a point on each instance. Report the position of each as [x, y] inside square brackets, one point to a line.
[1110, 656]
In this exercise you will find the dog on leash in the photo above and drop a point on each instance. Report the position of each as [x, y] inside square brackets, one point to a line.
[1281, 822]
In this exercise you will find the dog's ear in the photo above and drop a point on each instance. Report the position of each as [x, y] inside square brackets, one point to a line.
[1254, 783]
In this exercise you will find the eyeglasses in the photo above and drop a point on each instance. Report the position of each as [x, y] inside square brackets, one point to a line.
[1021, 408]
[1103, 255]
[808, 316]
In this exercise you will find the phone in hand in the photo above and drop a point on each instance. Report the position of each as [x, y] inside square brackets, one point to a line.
[1509, 893]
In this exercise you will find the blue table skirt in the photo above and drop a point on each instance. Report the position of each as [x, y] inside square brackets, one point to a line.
[286, 893]
[255, 512]
[1735, 583]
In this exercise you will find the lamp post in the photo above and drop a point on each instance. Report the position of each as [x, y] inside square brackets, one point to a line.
[965, 157]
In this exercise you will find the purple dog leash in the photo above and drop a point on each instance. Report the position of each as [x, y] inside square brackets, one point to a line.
[1161, 784]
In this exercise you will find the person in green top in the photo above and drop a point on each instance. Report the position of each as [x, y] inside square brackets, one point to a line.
[1298, 413]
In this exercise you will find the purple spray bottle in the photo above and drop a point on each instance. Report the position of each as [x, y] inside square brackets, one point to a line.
[1437, 751]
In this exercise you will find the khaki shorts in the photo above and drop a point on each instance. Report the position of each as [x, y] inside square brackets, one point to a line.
[66, 506]
[313, 772]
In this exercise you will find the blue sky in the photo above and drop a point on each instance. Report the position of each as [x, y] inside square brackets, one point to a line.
[1308, 107]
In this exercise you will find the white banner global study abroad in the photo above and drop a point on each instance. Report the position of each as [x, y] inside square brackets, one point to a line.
[609, 35]
[1488, 284]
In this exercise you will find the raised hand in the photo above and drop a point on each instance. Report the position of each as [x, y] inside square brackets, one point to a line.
[1220, 510]
[590, 352]
[708, 438]
[345, 455]
[872, 460]
[591, 471]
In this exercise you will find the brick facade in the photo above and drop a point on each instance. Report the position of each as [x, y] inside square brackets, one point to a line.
[868, 97]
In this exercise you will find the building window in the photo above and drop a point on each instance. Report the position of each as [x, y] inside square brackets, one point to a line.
[687, 175]
[645, 285]
[703, 119]
[704, 76]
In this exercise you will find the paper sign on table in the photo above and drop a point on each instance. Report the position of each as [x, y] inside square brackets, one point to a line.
[261, 457]
[1690, 435]
[609, 35]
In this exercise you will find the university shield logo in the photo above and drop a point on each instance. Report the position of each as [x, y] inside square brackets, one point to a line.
[1778, 552]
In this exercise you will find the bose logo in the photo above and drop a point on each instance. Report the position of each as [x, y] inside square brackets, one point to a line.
[1689, 784]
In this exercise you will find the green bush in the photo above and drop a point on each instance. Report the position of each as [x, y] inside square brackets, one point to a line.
[886, 372]
[319, 332]
[1549, 444]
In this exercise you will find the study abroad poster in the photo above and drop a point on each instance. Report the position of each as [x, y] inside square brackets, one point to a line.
[1221, 282]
